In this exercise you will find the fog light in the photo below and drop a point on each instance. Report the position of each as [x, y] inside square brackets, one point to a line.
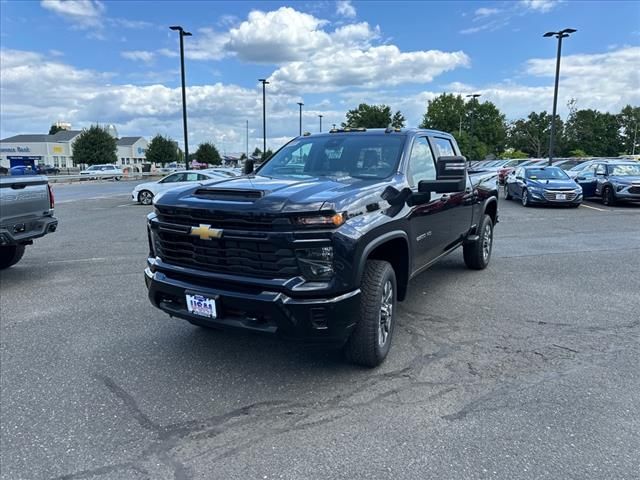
[316, 263]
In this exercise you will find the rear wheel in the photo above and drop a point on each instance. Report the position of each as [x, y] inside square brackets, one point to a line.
[608, 197]
[145, 197]
[370, 341]
[478, 253]
[10, 255]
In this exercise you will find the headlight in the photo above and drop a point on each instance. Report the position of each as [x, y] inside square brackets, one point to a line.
[316, 263]
[321, 220]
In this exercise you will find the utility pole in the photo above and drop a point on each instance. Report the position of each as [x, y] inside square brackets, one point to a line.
[320, 116]
[247, 145]
[264, 115]
[301, 104]
[559, 35]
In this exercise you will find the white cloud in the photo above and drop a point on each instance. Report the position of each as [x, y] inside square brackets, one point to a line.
[375, 66]
[138, 55]
[84, 13]
[543, 6]
[345, 9]
[486, 12]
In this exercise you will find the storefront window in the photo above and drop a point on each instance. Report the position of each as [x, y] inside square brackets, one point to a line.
[56, 162]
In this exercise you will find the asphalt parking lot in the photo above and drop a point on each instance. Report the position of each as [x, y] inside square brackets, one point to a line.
[528, 369]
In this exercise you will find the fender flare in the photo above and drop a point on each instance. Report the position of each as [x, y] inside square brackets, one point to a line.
[371, 246]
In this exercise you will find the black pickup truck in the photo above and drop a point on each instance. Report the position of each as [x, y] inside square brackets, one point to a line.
[320, 242]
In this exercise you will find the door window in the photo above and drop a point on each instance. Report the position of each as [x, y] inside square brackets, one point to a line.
[176, 177]
[421, 164]
[191, 177]
[601, 169]
[444, 147]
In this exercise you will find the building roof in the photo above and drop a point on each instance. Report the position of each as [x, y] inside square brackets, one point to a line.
[61, 136]
[127, 141]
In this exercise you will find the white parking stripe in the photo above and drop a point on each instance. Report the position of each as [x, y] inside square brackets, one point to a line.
[593, 208]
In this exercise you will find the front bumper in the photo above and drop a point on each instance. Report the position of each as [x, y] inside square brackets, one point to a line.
[627, 192]
[327, 320]
[540, 197]
[24, 231]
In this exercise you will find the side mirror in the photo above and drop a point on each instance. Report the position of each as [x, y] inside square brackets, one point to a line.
[248, 166]
[451, 176]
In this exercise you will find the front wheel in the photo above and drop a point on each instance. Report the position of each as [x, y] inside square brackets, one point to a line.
[608, 197]
[526, 202]
[10, 255]
[145, 197]
[478, 253]
[371, 339]
[507, 195]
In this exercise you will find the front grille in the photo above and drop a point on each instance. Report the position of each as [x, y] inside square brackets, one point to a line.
[230, 256]
[552, 195]
[190, 217]
[634, 190]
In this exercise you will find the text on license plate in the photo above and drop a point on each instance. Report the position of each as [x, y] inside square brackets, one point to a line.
[201, 305]
[561, 196]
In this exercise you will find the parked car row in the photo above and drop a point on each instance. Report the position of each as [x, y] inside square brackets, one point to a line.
[144, 193]
[609, 180]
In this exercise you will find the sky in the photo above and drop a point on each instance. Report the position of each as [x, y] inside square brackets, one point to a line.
[91, 61]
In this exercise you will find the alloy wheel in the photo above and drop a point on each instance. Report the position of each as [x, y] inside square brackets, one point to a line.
[386, 313]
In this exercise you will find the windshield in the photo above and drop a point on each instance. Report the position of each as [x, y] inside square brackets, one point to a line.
[546, 173]
[625, 170]
[354, 155]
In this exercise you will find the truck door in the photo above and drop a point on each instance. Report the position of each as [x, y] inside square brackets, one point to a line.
[428, 222]
[458, 205]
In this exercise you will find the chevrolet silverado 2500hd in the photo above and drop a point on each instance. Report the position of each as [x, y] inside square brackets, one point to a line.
[320, 242]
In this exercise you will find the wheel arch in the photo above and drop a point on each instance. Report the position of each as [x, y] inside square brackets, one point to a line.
[392, 247]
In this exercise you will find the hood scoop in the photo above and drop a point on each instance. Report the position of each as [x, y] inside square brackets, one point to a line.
[229, 194]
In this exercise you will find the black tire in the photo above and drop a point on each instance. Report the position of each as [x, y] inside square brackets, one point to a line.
[117, 179]
[478, 254]
[10, 255]
[608, 197]
[525, 198]
[507, 195]
[145, 197]
[370, 341]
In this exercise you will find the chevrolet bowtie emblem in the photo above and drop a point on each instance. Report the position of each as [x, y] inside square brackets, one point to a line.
[205, 232]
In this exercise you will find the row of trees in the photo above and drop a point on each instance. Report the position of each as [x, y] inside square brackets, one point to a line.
[482, 130]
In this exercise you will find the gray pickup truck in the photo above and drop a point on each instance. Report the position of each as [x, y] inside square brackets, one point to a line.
[26, 213]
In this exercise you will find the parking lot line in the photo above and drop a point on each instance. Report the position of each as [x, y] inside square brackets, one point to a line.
[77, 260]
[594, 208]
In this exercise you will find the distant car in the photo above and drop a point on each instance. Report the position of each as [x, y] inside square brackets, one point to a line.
[576, 171]
[23, 170]
[507, 168]
[543, 185]
[47, 170]
[617, 181]
[102, 172]
[145, 192]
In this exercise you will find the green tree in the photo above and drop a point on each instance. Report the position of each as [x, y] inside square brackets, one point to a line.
[243, 156]
[596, 133]
[208, 153]
[532, 135]
[162, 150]
[372, 116]
[629, 120]
[266, 155]
[257, 153]
[94, 146]
[479, 128]
[577, 153]
[510, 153]
[55, 129]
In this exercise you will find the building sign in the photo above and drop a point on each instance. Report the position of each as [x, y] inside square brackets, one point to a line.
[57, 149]
[15, 149]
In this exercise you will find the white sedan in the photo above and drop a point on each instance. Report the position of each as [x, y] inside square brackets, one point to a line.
[144, 192]
[102, 172]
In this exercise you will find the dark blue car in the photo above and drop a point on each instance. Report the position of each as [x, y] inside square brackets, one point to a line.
[542, 185]
[23, 170]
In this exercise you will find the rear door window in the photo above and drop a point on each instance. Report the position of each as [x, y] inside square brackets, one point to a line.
[444, 147]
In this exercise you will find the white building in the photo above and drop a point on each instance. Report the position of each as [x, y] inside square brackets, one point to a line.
[57, 150]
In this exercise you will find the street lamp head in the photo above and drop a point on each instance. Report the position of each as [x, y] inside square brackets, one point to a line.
[550, 34]
[264, 81]
[176, 27]
[569, 30]
[186, 34]
[300, 103]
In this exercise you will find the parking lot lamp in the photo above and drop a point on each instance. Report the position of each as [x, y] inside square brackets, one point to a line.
[300, 104]
[474, 96]
[183, 34]
[320, 117]
[559, 35]
[264, 114]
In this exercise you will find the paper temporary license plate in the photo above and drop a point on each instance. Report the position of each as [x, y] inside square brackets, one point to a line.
[201, 305]
[561, 196]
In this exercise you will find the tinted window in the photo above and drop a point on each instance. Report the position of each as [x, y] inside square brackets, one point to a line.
[546, 173]
[356, 155]
[421, 164]
[444, 147]
[191, 177]
[601, 168]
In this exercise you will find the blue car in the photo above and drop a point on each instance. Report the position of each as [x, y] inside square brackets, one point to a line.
[542, 185]
[22, 170]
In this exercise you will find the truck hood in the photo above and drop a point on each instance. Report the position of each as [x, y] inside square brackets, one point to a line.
[257, 193]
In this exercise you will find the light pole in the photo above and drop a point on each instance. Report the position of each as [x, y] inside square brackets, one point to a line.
[300, 104]
[264, 115]
[320, 117]
[247, 145]
[635, 135]
[559, 35]
[474, 96]
[183, 34]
